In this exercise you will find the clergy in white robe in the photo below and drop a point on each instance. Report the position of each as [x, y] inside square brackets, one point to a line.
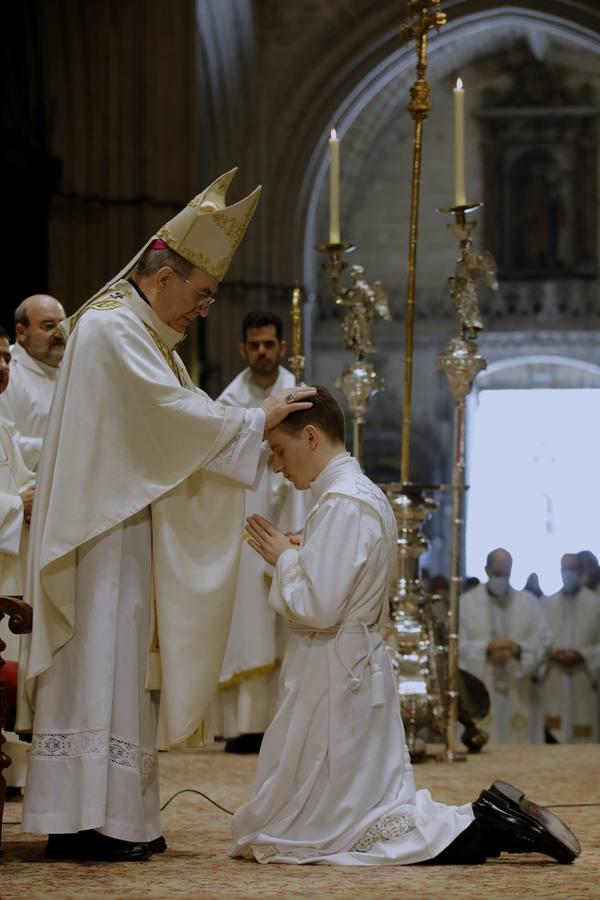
[16, 495]
[247, 694]
[136, 535]
[590, 570]
[504, 638]
[36, 357]
[334, 782]
[570, 678]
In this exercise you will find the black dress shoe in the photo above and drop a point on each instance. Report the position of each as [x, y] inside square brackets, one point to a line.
[513, 824]
[158, 845]
[245, 743]
[92, 846]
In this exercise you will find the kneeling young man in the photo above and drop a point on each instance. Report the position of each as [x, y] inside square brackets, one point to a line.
[334, 782]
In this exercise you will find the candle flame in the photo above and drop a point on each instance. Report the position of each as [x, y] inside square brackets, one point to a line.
[333, 134]
[459, 84]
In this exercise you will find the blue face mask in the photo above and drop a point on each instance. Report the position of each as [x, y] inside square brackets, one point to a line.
[498, 585]
[571, 580]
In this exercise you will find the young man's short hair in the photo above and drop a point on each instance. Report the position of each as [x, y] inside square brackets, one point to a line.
[4, 334]
[261, 319]
[325, 412]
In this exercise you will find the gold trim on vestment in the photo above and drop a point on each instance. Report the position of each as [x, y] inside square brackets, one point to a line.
[247, 674]
[165, 353]
[114, 300]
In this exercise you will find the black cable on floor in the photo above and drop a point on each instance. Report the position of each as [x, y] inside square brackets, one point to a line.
[194, 791]
[565, 805]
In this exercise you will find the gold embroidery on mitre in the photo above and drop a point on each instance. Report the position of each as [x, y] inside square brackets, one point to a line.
[219, 188]
[165, 353]
[228, 224]
[232, 227]
[166, 236]
[552, 722]
[201, 261]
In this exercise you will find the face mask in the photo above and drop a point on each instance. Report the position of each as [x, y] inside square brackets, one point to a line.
[498, 585]
[571, 581]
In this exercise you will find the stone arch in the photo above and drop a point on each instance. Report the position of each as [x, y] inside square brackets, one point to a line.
[538, 371]
[384, 89]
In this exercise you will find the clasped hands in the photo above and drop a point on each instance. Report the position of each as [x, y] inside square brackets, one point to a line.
[267, 540]
[567, 658]
[500, 650]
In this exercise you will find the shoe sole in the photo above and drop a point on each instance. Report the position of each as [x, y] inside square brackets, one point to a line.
[158, 845]
[517, 802]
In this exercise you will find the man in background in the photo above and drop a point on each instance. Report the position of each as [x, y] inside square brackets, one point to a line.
[248, 683]
[36, 356]
[590, 570]
[570, 678]
[504, 638]
[16, 498]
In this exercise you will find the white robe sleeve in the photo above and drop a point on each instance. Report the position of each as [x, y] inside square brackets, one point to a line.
[11, 523]
[31, 448]
[243, 457]
[313, 585]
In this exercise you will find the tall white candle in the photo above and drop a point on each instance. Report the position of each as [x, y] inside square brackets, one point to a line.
[459, 144]
[334, 188]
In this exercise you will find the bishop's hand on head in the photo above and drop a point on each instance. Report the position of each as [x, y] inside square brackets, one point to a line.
[281, 404]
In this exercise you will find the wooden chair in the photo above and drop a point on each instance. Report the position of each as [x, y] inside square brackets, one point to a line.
[19, 622]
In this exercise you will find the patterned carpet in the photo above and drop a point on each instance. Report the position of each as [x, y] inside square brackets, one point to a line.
[197, 865]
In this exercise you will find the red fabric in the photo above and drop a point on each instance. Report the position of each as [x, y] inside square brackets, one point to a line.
[8, 673]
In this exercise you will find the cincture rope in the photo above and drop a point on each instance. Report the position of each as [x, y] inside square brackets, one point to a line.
[354, 681]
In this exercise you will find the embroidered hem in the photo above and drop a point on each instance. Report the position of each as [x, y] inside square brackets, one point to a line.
[74, 744]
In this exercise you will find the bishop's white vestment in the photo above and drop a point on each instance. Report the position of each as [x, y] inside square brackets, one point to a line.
[27, 400]
[247, 696]
[334, 782]
[516, 713]
[14, 478]
[135, 542]
[570, 696]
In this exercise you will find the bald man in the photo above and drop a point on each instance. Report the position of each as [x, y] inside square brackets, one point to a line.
[36, 356]
[571, 677]
[504, 639]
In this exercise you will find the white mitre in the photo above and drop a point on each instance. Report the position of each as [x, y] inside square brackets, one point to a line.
[206, 233]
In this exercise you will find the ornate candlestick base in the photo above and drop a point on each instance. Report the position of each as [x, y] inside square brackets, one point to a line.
[410, 634]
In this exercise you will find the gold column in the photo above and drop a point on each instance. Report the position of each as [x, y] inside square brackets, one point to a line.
[296, 361]
[422, 15]
[461, 362]
[409, 636]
